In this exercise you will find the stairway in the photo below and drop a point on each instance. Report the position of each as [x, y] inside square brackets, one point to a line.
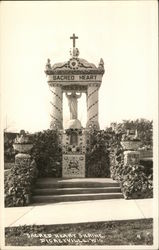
[51, 190]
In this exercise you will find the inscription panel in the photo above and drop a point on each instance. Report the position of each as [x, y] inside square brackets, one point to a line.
[73, 166]
[75, 79]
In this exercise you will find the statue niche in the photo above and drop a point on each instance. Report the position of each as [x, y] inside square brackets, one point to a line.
[72, 102]
[74, 139]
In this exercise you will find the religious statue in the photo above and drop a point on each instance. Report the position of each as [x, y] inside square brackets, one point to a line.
[72, 102]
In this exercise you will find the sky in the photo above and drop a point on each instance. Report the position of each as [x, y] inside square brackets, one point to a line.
[123, 33]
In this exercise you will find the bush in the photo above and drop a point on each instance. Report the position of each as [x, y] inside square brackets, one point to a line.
[148, 166]
[132, 178]
[144, 128]
[47, 153]
[9, 152]
[8, 165]
[19, 182]
[135, 184]
[97, 156]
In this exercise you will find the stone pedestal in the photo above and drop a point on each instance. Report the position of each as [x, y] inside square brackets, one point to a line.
[24, 170]
[23, 158]
[131, 157]
[74, 148]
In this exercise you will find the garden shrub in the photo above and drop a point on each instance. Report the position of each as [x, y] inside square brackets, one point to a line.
[148, 166]
[47, 153]
[8, 165]
[132, 178]
[135, 184]
[144, 128]
[97, 156]
[9, 152]
[19, 182]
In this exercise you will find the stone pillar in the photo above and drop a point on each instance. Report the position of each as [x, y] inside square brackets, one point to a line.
[92, 106]
[24, 166]
[57, 107]
[131, 157]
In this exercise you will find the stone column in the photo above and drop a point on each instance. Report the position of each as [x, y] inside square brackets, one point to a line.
[92, 106]
[57, 107]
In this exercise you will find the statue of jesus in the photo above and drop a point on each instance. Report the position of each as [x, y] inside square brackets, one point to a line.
[72, 102]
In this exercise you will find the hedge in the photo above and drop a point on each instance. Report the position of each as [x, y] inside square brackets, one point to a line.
[134, 181]
[19, 182]
[9, 152]
[97, 155]
[47, 152]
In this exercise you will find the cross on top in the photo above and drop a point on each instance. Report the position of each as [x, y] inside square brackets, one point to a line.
[74, 39]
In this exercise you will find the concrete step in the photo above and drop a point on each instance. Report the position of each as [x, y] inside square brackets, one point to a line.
[54, 191]
[74, 197]
[75, 183]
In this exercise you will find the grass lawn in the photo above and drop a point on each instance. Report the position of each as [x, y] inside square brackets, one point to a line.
[132, 232]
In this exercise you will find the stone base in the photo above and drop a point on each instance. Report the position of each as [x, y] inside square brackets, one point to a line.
[92, 125]
[74, 124]
[73, 166]
[23, 159]
[131, 157]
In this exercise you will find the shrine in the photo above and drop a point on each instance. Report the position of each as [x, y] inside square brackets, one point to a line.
[73, 78]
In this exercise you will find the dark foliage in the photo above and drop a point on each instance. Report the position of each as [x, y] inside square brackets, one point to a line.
[147, 167]
[135, 180]
[97, 156]
[144, 128]
[47, 153]
[9, 152]
[19, 182]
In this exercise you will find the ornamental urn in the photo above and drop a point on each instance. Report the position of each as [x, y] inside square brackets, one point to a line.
[23, 143]
[131, 145]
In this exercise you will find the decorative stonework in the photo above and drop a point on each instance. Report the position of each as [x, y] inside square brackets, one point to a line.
[73, 166]
[23, 143]
[74, 71]
[73, 149]
[101, 64]
[74, 52]
[92, 106]
[77, 88]
[74, 64]
[131, 145]
[56, 112]
[74, 142]
[74, 75]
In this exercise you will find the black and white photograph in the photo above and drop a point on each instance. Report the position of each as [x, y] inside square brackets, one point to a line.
[79, 124]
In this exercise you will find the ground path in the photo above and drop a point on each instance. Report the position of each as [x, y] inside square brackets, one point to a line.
[78, 212]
